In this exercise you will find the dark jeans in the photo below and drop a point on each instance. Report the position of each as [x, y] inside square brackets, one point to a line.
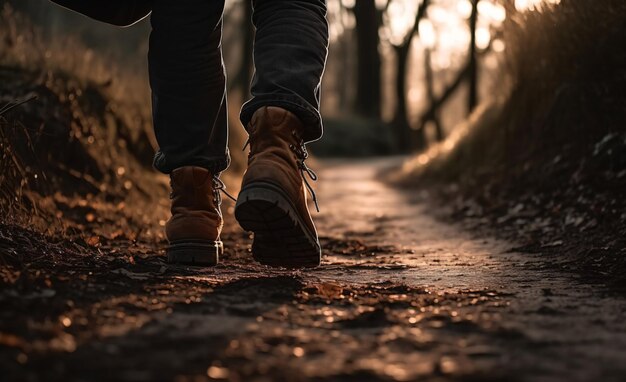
[187, 72]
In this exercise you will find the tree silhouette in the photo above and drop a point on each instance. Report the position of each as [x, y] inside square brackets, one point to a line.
[473, 63]
[406, 139]
[368, 23]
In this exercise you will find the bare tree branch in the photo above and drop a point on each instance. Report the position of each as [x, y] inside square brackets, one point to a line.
[421, 12]
[430, 113]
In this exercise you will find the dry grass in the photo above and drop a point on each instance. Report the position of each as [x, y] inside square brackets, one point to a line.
[11, 170]
[88, 136]
[64, 65]
[560, 78]
[25, 46]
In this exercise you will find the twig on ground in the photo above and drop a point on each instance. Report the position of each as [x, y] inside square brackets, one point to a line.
[12, 105]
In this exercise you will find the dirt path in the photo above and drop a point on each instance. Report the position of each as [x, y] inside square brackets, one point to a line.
[400, 296]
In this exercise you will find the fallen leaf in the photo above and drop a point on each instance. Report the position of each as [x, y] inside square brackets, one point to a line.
[93, 241]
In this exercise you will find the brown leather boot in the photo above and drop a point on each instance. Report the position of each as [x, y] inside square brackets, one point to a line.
[273, 198]
[194, 229]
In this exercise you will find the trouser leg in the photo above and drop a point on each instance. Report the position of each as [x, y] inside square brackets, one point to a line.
[188, 85]
[116, 12]
[290, 52]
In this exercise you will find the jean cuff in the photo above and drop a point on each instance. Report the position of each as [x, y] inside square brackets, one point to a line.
[215, 165]
[310, 116]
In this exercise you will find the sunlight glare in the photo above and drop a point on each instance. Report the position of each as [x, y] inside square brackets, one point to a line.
[442, 61]
[415, 95]
[498, 45]
[439, 14]
[464, 8]
[381, 4]
[498, 13]
[348, 3]
[348, 20]
[532, 5]
[427, 33]
[493, 12]
[483, 38]
[401, 16]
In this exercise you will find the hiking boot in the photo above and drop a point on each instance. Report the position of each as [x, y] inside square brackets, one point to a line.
[273, 199]
[194, 229]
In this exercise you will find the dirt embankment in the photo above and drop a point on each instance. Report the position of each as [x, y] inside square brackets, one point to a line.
[75, 162]
[76, 159]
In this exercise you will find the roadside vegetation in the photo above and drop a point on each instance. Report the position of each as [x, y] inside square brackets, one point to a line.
[544, 160]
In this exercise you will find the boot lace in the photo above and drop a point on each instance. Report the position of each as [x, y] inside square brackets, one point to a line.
[302, 154]
[218, 188]
[305, 171]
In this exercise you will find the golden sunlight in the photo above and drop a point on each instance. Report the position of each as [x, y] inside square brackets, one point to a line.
[401, 16]
[531, 5]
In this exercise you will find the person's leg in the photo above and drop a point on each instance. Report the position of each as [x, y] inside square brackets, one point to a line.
[290, 54]
[190, 122]
[188, 85]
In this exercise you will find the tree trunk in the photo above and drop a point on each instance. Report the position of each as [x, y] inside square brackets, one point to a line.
[473, 64]
[406, 139]
[430, 91]
[368, 21]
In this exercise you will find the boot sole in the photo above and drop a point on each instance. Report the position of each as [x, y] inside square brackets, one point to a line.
[195, 252]
[281, 238]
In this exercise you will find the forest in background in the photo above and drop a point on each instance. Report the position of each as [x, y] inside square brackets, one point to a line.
[385, 85]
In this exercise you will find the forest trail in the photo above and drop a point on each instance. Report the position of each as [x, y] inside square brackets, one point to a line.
[400, 296]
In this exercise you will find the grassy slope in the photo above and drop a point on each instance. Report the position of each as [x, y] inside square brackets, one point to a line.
[86, 140]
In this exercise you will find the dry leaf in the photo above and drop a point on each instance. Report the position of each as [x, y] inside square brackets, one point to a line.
[93, 241]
